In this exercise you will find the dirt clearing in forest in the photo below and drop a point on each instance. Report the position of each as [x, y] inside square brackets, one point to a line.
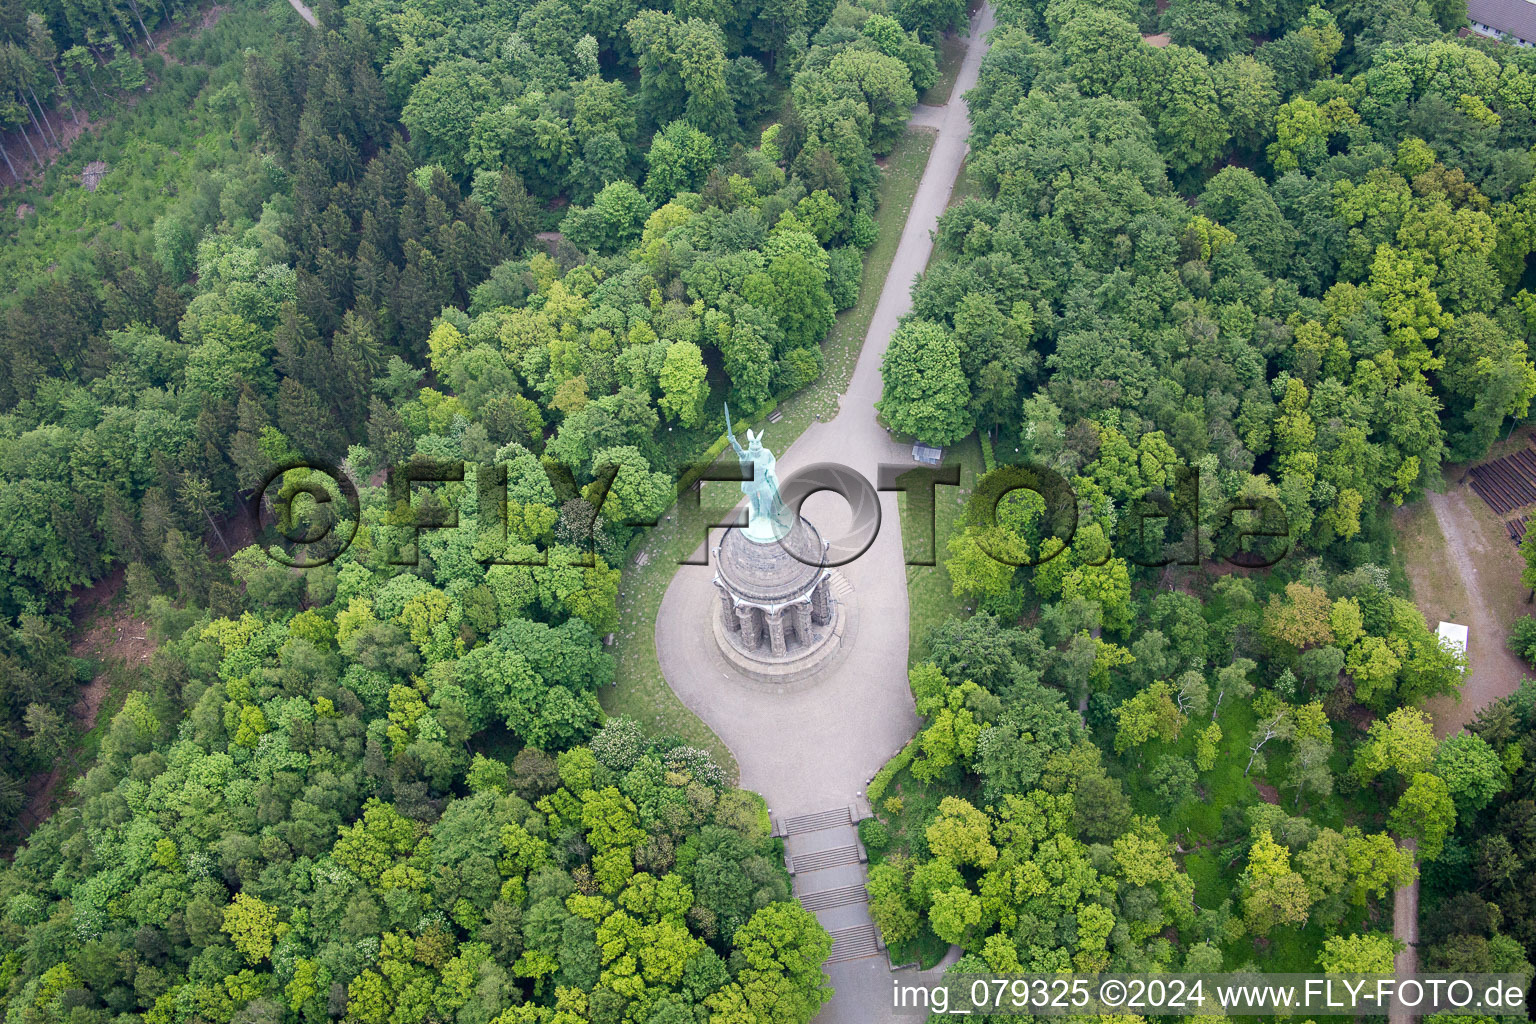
[1464, 569]
[108, 633]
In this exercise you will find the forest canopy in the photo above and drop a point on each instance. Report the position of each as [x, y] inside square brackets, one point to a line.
[384, 788]
[357, 209]
[1282, 260]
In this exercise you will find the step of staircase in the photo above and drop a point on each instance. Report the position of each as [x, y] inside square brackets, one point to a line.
[853, 943]
[823, 859]
[816, 822]
[826, 899]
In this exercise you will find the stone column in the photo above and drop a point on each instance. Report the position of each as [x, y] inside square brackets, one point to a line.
[775, 623]
[728, 607]
[746, 619]
[821, 602]
[803, 622]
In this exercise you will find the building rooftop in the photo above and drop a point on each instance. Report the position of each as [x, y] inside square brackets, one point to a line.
[1516, 17]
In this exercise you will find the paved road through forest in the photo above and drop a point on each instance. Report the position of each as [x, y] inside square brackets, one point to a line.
[304, 12]
[813, 750]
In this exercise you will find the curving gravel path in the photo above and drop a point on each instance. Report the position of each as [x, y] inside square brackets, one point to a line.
[815, 749]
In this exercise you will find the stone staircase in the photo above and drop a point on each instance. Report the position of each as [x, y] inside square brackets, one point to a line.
[833, 858]
[816, 822]
[855, 943]
[826, 863]
[826, 899]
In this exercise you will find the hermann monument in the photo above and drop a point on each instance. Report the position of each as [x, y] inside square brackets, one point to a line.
[783, 613]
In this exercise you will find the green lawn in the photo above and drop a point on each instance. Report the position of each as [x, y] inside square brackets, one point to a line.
[641, 691]
[92, 665]
[951, 55]
[1213, 857]
[1215, 862]
[929, 598]
[965, 187]
[903, 169]
[924, 949]
[122, 679]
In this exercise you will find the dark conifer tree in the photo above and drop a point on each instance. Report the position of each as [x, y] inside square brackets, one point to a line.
[367, 274]
[244, 450]
[304, 418]
[155, 518]
[519, 216]
[120, 532]
[415, 299]
[357, 359]
[298, 349]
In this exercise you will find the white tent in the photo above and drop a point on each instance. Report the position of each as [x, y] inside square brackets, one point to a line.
[1453, 635]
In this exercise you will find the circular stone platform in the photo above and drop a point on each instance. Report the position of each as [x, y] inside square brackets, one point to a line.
[781, 614]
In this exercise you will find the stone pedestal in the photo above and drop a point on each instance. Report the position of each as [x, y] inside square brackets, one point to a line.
[777, 619]
[805, 663]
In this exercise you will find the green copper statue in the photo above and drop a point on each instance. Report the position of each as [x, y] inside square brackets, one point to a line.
[768, 520]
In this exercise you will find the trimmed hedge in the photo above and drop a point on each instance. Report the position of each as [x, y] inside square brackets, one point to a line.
[883, 778]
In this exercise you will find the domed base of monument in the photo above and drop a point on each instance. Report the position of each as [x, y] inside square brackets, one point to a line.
[798, 667]
[782, 614]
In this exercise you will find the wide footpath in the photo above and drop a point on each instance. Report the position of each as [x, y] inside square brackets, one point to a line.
[811, 752]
